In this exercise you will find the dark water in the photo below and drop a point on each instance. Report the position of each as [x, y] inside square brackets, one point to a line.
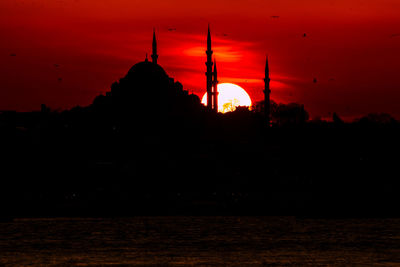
[200, 241]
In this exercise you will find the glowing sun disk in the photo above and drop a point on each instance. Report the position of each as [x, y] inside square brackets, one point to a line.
[230, 96]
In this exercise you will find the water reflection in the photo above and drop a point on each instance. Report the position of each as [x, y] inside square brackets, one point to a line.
[200, 241]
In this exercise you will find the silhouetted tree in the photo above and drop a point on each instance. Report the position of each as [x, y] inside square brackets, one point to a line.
[292, 113]
[377, 119]
[336, 119]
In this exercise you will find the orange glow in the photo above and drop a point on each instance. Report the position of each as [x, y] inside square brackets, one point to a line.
[230, 96]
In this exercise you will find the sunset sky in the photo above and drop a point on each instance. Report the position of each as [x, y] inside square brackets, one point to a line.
[65, 52]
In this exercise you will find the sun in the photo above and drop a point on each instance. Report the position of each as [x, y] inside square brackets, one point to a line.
[230, 96]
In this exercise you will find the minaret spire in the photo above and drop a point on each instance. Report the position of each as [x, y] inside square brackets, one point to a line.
[267, 92]
[209, 74]
[208, 38]
[215, 87]
[154, 55]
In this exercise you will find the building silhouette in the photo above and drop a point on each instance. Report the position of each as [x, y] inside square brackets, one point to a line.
[154, 55]
[147, 96]
[212, 83]
[211, 77]
[215, 87]
[148, 80]
[267, 92]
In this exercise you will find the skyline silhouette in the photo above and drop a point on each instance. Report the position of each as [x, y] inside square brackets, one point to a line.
[123, 143]
[355, 70]
[211, 85]
[169, 154]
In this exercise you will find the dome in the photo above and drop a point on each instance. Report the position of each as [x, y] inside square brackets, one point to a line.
[147, 69]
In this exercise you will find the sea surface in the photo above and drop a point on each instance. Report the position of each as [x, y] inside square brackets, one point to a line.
[200, 241]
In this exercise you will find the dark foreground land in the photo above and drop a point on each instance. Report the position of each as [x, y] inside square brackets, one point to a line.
[82, 163]
[200, 241]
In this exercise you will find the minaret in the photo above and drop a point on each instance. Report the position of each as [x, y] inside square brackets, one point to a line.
[154, 55]
[215, 87]
[209, 70]
[267, 93]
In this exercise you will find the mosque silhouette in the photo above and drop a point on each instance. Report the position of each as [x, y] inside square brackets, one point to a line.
[148, 80]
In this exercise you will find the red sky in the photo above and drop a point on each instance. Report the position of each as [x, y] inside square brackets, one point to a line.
[352, 48]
